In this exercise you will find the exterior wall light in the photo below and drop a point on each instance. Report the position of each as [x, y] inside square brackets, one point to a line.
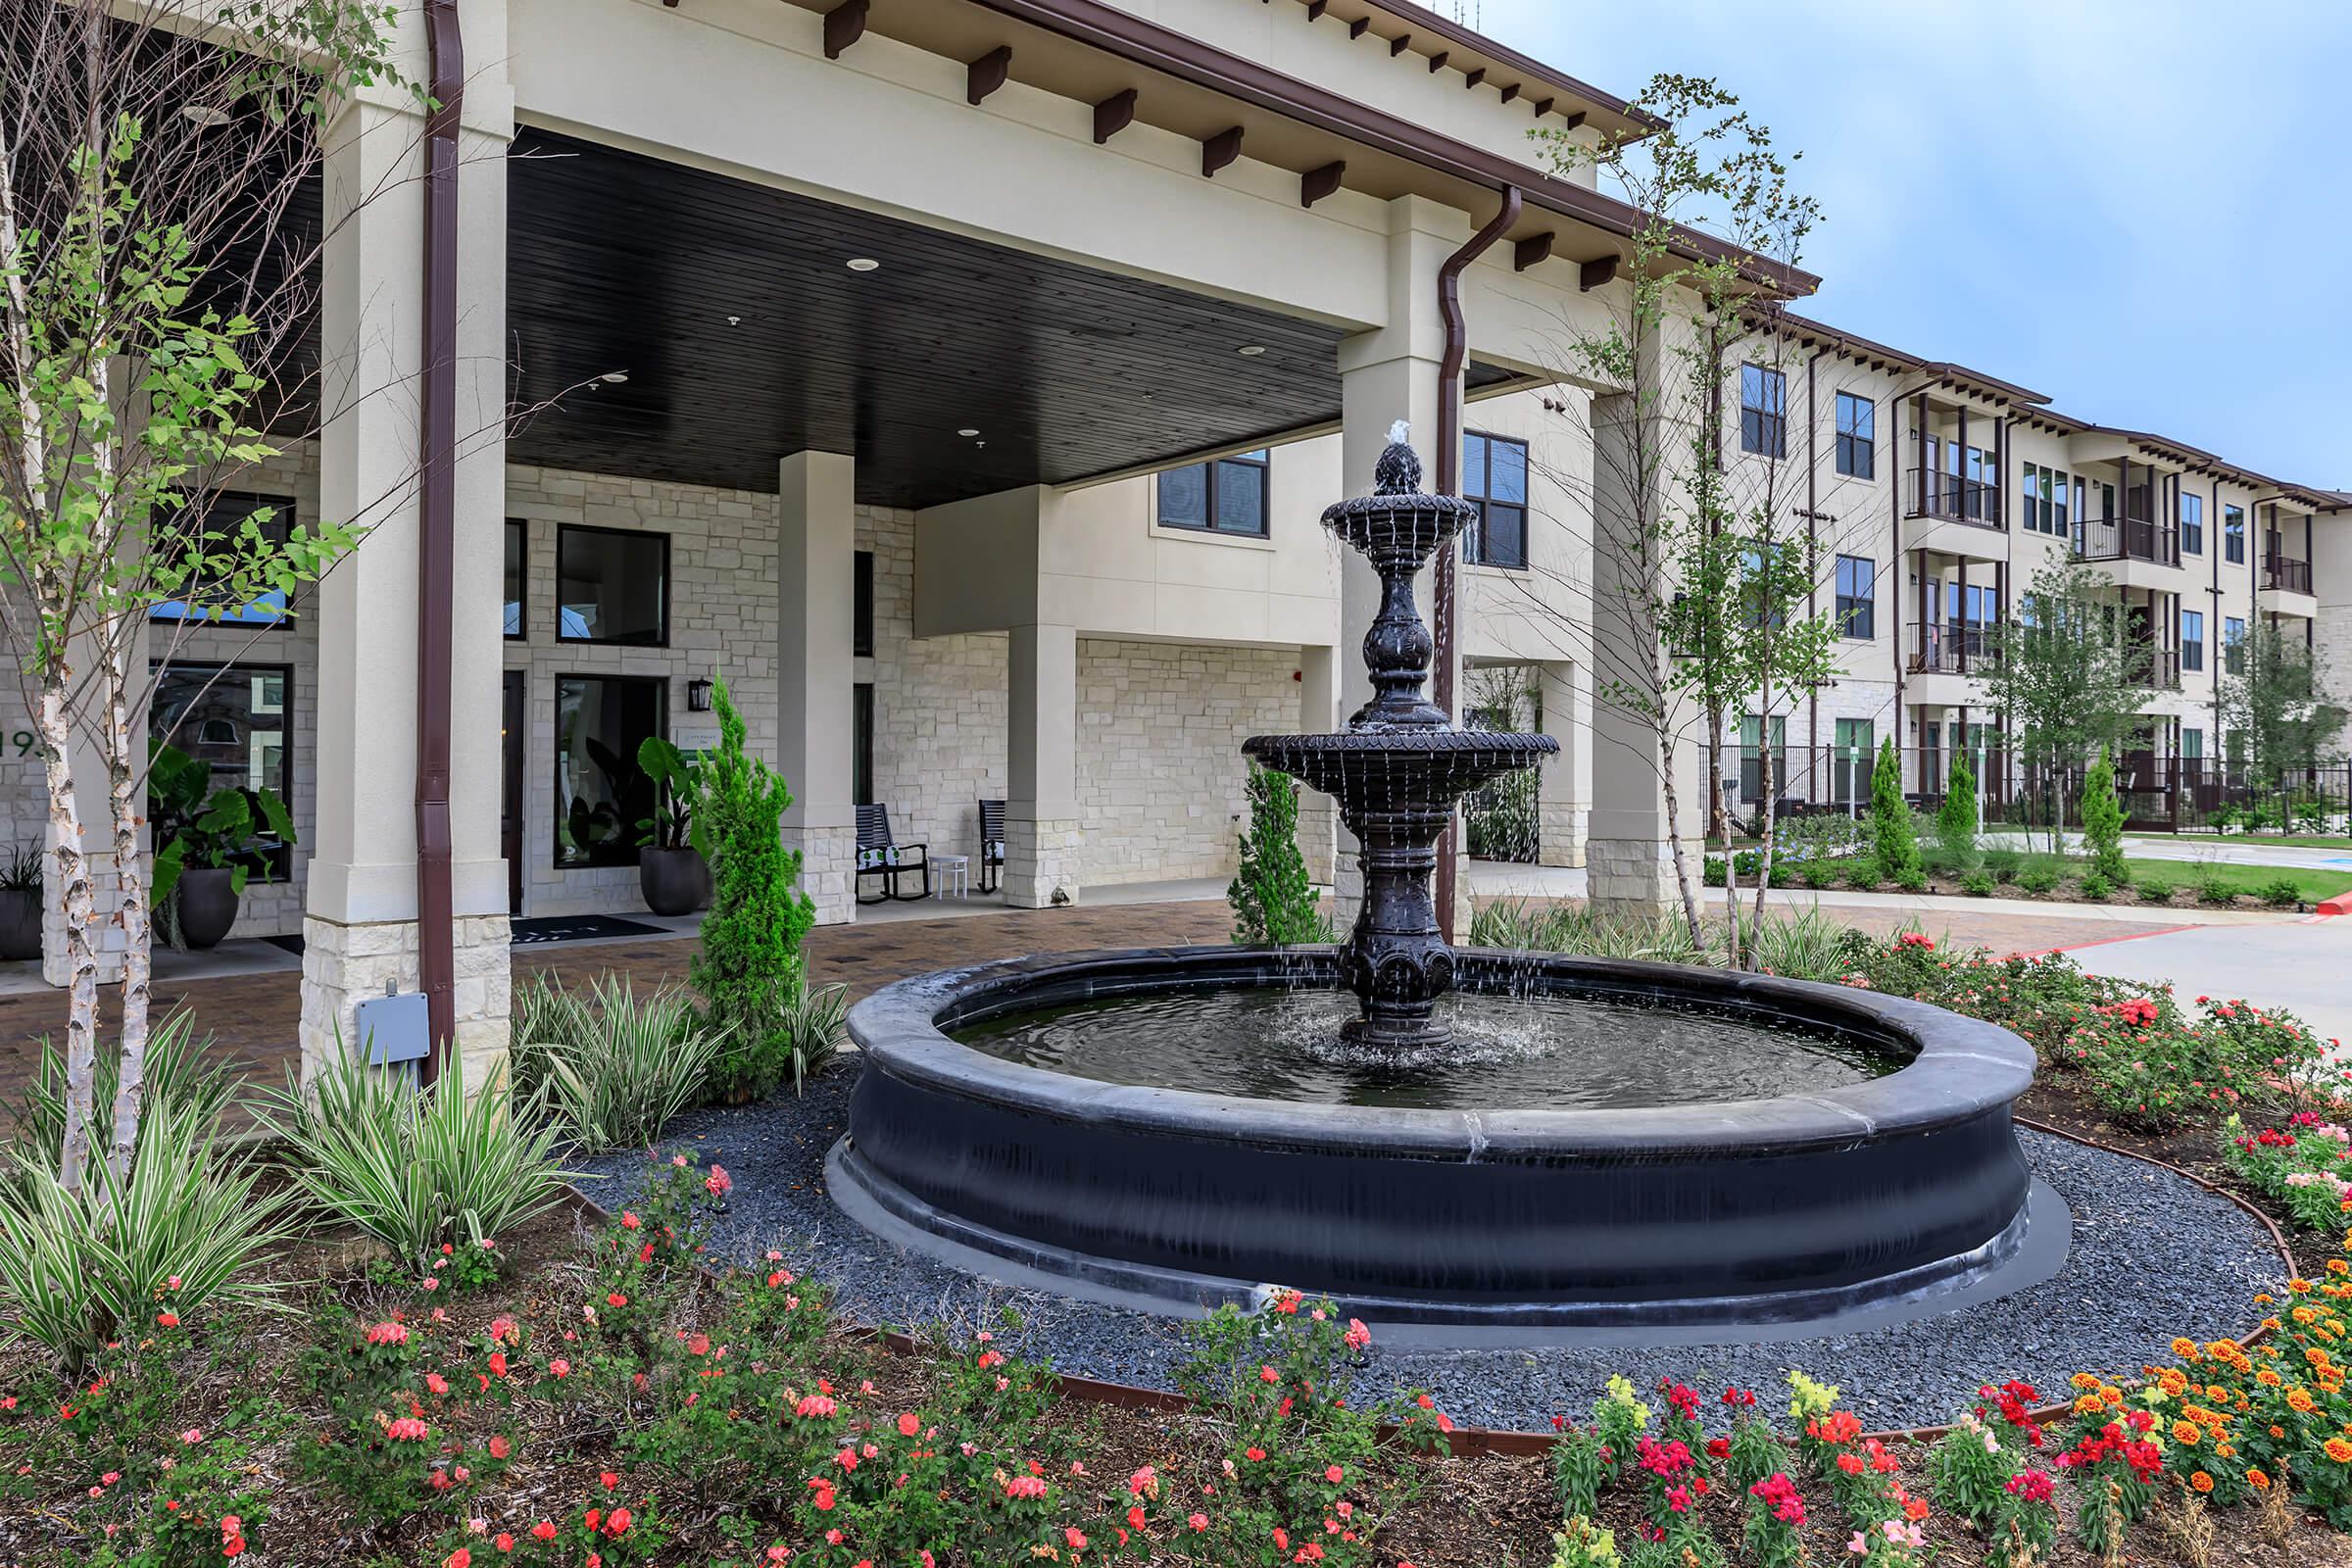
[698, 697]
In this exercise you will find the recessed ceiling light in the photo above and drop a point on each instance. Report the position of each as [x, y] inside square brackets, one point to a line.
[1251, 350]
[967, 432]
[208, 116]
[864, 264]
[614, 377]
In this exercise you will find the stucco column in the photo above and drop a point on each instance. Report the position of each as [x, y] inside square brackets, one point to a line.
[1318, 713]
[1041, 804]
[1563, 790]
[1629, 852]
[1388, 375]
[817, 535]
[359, 925]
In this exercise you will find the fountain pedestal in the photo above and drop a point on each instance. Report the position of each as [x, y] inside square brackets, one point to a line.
[1400, 766]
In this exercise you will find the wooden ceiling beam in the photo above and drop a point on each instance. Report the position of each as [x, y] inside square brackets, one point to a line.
[1114, 115]
[1219, 151]
[845, 25]
[987, 73]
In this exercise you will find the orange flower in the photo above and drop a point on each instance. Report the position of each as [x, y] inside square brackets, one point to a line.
[2338, 1450]
[2199, 1481]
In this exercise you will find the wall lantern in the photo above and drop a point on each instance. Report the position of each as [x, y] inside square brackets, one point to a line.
[698, 697]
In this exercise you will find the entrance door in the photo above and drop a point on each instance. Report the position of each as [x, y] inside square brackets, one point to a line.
[509, 820]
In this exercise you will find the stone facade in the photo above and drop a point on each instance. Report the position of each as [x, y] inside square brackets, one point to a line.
[1632, 878]
[343, 964]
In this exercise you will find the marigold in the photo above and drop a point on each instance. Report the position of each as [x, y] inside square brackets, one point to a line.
[2338, 1450]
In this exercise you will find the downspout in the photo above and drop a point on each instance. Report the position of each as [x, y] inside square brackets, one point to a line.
[1450, 483]
[436, 535]
[1813, 740]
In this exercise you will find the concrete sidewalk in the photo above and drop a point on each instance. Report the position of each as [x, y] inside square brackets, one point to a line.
[2300, 964]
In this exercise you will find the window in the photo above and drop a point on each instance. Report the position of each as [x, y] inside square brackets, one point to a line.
[1851, 759]
[861, 744]
[1857, 598]
[2193, 524]
[517, 570]
[2234, 644]
[1227, 496]
[1763, 410]
[1857, 431]
[237, 719]
[1495, 475]
[862, 611]
[601, 792]
[2193, 745]
[2234, 535]
[2045, 492]
[612, 586]
[217, 532]
[1751, 760]
[2192, 638]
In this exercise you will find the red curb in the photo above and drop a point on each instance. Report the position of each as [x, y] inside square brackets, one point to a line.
[2341, 903]
[2101, 941]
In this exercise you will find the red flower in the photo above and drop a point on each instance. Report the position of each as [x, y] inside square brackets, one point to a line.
[908, 1424]
[500, 1447]
[544, 1530]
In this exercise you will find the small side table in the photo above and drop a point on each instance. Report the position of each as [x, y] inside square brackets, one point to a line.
[955, 875]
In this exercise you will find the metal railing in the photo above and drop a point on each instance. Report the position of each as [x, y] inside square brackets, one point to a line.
[1952, 648]
[2128, 539]
[2156, 668]
[1953, 499]
[2286, 575]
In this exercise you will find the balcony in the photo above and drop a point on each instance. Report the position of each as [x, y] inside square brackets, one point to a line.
[2128, 539]
[1953, 649]
[2156, 670]
[2286, 574]
[1949, 498]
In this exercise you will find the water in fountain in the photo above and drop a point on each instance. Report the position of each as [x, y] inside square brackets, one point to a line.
[1399, 767]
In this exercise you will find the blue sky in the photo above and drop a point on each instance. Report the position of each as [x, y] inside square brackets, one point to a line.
[2143, 208]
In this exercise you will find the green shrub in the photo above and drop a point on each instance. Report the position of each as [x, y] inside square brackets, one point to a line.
[1864, 871]
[1272, 900]
[2097, 888]
[1892, 836]
[1815, 875]
[2040, 878]
[620, 1069]
[2154, 890]
[1711, 871]
[182, 1071]
[188, 1229]
[1956, 820]
[414, 1170]
[1914, 880]
[749, 968]
[1806, 945]
[1978, 884]
[2103, 821]
[2284, 893]
[2004, 863]
[2214, 888]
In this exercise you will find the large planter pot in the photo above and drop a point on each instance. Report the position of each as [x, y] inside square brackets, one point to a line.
[19, 924]
[208, 906]
[673, 881]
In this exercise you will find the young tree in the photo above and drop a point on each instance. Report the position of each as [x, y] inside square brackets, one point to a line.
[1673, 545]
[1271, 897]
[155, 276]
[2103, 820]
[2280, 707]
[1891, 834]
[1956, 819]
[2058, 675]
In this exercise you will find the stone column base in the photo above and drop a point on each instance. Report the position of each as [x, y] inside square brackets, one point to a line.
[1040, 860]
[343, 965]
[1346, 882]
[1632, 879]
[828, 861]
[1318, 837]
[1560, 835]
[107, 940]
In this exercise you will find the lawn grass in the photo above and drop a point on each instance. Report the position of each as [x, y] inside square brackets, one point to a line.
[2313, 884]
[2290, 841]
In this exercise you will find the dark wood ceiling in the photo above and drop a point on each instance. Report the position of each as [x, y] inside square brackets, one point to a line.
[622, 263]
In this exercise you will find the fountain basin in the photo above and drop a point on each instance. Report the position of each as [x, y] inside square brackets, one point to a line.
[1892, 1194]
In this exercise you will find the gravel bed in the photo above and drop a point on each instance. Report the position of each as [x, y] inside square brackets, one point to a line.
[2154, 1256]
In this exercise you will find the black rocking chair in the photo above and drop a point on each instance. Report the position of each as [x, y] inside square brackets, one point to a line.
[882, 857]
[992, 844]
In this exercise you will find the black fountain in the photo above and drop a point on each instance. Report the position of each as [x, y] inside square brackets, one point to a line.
[1471, 1141]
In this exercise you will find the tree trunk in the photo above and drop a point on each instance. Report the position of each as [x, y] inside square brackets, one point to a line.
[1674, 841]
[123, 797]
[1770, 788]
[73, 888]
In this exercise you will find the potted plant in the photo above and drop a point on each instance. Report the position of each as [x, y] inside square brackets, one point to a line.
[672, 873]
[20, 904]
[207, 842]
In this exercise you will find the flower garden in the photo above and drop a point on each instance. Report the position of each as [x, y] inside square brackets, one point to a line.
[562, 1387]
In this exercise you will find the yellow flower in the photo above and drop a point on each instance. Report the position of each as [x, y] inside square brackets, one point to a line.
[2299, 1400]
[2268, 1378]
[2185, 1348]
[2185, 1433]
[2085, 1382]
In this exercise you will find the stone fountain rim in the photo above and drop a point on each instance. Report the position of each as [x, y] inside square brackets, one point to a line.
[1961, 1069]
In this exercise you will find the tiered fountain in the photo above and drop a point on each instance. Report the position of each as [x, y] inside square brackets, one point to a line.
[1537, 1140]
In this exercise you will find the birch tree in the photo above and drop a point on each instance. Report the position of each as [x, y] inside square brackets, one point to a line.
[157, 262]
